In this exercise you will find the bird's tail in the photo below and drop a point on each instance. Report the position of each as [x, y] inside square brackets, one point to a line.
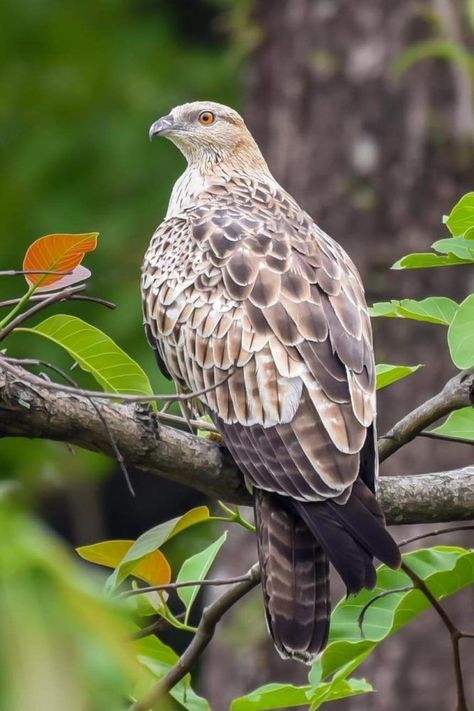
[352, 535]
[295, 579]
[296, 541]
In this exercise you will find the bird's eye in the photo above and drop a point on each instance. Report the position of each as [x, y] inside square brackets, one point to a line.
[206, 118]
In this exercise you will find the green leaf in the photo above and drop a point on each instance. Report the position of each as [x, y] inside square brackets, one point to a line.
[432, 49]
[57, 626]
[339, 689]
[445, 569]
[158, 659]
[96, 353]
[388, 374]
[460, 247]
[434, 309]
[283, 696]
[423, 260]
[459, 424]
[461, 335]
[272, 696]
[153, 539]
[196, 568]
[384, 308]
[461, 217]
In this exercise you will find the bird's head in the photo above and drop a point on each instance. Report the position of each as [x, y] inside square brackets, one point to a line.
[208, 133]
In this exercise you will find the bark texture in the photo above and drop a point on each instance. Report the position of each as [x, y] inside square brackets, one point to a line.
[29, 408]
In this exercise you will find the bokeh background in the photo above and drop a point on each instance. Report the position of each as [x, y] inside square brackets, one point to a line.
[365, 113]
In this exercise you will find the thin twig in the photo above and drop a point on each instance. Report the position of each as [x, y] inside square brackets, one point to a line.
[94, 300]
[159, 625]
[196, 424]
[205, 631]
[45, 364]
[39, 363]
[187, 583]
[437, 532]
[384, 593]
[457, 393]
[58, 296]
[454, 633]
[75, 297]
[178, 397]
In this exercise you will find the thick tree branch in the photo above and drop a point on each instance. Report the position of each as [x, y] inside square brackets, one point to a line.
[30, 408]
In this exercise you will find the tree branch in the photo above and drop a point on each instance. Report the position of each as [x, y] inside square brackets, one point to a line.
[205, 631]
[457, 393]
[30, 407]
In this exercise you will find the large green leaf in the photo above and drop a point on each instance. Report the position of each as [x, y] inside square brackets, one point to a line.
[460, 247]
[272, 696]
[424, 260]
[284, 696]
[388, 374]
[96, 353]
[434, 309]
[196, 568]
[461, 334]
[461, 217]
[338, 689]
[153, 539]
[158, 659]
[459, 424]
[444, 569]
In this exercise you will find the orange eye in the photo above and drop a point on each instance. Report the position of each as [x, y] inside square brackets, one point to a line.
[206, 118]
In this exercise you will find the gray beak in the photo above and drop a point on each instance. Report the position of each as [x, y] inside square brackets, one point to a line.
[161, 127]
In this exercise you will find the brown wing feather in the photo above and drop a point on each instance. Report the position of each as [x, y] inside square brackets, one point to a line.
[271, 293]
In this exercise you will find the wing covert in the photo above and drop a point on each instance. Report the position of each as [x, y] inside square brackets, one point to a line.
[266, 292]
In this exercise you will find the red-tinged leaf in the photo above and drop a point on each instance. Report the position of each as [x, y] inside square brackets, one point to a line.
[58, 253]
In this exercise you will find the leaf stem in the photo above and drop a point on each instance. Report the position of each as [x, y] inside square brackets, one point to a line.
[22, 302]
[234, 517]
[168, 615]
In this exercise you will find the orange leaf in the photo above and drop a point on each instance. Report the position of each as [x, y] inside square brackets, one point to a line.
[154, 569]
[58, 253]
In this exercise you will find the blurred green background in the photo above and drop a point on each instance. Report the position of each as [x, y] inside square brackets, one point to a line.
[81, 82]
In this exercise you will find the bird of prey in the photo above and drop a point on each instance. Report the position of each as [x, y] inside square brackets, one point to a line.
[249, 303]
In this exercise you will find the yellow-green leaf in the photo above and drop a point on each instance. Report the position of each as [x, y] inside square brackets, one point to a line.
[96, 353]
[434, 309]
[153, 568]
[196, 568]
[459, 424]
[153, 539]
[461, 334]
[388, 374]
[461, 217]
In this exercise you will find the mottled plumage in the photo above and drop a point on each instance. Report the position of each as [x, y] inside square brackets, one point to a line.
[239, 279]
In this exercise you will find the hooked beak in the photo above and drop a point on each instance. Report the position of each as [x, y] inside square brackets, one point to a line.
[161, 127]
